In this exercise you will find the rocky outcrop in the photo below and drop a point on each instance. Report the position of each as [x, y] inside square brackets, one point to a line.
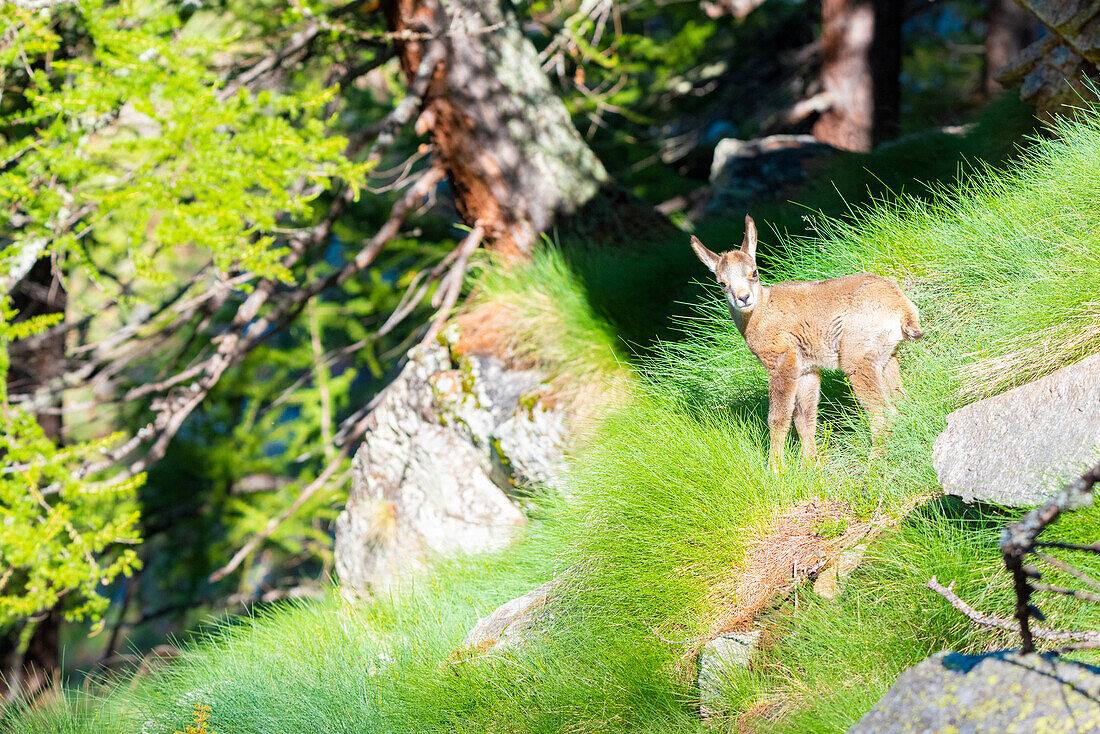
[1051, 72]
[999, 693]
[1018, 448]
[749, 170]
[455, 445]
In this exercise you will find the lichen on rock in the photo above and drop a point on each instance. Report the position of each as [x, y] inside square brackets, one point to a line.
[1000, 693]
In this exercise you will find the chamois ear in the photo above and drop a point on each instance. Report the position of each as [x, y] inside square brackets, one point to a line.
[748, 245]
[709, 258]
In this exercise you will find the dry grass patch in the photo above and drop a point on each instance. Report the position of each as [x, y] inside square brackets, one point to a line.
[806, 541]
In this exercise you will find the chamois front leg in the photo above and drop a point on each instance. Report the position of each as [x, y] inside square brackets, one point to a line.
[782, 389]
[805, 413]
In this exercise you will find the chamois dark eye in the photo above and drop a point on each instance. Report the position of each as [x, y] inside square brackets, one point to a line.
[754, 275]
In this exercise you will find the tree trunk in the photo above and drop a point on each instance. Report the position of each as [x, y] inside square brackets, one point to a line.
[861, 64]
[516, 164]
[38, 360]
[1009, 30]
[30, 666]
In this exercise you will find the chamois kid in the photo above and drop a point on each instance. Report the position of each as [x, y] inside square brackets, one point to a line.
[853, 323]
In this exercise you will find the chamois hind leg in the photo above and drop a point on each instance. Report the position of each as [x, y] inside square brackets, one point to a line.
[891, 379]
[805, 413]
[782, 388]
[867, 384]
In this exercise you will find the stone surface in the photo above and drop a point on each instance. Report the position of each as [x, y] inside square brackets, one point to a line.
[453, 443]
[999, 693]
[1018, 448]
[830, 582]
[748, 170]
[717, 660]
[1050, 75]
[511, 623]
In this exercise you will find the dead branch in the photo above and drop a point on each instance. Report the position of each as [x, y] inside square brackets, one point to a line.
[1072, 570]
[988, 620]
[384, 131]
[273, 524]
[1064, 591]
[299, 44]
[1091, 548]
[451, 284]
[1020, 538]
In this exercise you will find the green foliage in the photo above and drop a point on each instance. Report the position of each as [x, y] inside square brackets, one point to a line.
[63, 535]
[136, 141]
[128, 162]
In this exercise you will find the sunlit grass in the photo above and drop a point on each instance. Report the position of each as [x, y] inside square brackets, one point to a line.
[668, 490]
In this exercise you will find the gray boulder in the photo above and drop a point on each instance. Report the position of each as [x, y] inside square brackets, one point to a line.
[511, 623]
[747, 170]
[999, 693]
[1056, 71]
[1018, 448]
[453, 444]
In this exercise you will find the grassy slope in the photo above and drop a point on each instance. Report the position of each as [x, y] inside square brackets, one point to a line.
[674, 483]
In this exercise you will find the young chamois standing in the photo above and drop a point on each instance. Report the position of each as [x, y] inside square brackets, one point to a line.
[798, 328]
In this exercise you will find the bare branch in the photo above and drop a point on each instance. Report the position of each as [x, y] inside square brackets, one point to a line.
[988, 620]
[451, 285]
[1071, 570]
[1020, 538]
[273, 524]
[1064, 591]
[386, 128]
[299, 44]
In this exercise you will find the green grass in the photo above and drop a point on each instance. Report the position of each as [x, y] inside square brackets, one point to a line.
[549, 315]
[672, 485]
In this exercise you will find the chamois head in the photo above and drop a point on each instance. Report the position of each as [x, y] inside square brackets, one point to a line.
[735, 270]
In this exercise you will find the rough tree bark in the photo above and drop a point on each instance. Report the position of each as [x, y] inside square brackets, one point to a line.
[28, 667]
[1009, 30]
[861, 63]
[516, 164]
[1058, 72]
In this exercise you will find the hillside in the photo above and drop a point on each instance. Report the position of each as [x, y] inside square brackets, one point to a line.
[672, 527]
